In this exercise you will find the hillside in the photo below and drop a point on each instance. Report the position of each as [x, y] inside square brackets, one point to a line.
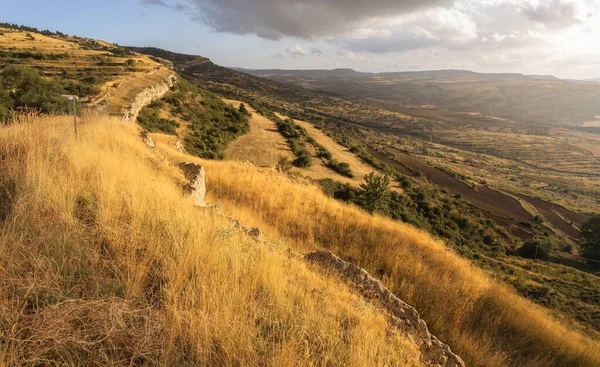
[103, 75]
[488, 204]
[338, 230]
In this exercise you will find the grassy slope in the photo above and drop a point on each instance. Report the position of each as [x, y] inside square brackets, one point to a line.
[103, 260]
[486, 323]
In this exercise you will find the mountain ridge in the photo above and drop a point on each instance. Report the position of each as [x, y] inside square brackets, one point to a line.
[347, 72]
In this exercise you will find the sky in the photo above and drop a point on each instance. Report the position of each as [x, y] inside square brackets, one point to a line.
[558, 37]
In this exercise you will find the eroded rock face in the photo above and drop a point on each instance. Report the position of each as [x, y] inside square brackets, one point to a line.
[147, 96]
[145, 135]
[404, 316]
[179, 146]
[196, 187]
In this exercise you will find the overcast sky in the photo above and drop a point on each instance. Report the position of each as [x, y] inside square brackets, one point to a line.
[559, 37]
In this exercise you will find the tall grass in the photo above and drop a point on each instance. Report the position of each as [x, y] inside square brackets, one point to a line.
[104, 261]
[483, 321]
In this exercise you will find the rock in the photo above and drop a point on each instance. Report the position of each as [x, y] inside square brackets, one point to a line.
[147, 96]
[196, 187]
[179, 146]
[145, 135]
[404, 316]
[255, 233]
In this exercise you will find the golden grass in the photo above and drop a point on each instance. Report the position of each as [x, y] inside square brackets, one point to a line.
[482, 320]
[262, 145]
[103, 261]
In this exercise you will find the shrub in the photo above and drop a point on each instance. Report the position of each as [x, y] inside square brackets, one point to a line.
[375, 192]
[342, 168]
[590, 237]
[284, 164]
[537, 248]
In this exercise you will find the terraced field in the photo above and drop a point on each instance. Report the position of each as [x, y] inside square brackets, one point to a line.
[544, 152]
[100, 71]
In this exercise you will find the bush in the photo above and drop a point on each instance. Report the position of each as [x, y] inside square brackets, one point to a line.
[342, 168]
[590, 237]
[375, 192]
[29, 89]
[537, 248]
[150, 119]
[284, 164]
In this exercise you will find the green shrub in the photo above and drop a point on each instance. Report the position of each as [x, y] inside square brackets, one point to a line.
[150, 119]
[537, 248]
[342, 168]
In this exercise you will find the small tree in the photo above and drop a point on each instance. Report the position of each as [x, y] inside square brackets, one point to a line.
[375, 192]
[590, 237]
[243, 110]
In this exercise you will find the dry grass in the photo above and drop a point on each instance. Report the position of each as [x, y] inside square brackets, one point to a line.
[487, 324]
[262, 145]
[104, 262]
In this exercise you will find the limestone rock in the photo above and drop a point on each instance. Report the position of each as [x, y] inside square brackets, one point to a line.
[196, 187]
[145, 135]
[404, 316]
[179, 146]
[147, 96]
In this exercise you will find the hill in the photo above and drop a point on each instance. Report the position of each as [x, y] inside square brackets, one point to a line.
[523, 98]
[104, 75]
[349, 73]
[106, 256]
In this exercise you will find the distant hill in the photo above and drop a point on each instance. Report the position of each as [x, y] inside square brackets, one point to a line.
[180, 61]
[349, 73]
[532, 99]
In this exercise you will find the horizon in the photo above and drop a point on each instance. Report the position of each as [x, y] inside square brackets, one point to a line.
[526, 37]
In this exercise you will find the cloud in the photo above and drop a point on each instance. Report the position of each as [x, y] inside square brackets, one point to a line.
[296, 51]
[555, 13]
[316, 52]
[308, 19]
[153, 3]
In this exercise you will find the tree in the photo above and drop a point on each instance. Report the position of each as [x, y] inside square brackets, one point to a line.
[375, 192]
[243, 110]
[590, 237]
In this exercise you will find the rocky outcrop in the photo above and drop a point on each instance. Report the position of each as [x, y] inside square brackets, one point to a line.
[254, 233]
[147, 96]
[196, 187]
[179, 146]
[145, 135]
[404, 316]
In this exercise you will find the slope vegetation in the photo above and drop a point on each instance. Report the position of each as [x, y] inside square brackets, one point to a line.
[104, 261]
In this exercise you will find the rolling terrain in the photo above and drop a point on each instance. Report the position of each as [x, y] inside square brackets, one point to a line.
[104, 258]
[542, 100]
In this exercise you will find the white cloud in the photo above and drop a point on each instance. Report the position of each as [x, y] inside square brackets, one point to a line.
[296, 51]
